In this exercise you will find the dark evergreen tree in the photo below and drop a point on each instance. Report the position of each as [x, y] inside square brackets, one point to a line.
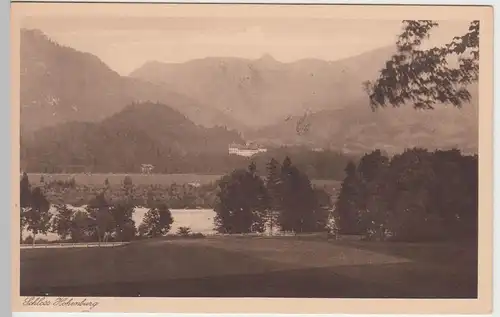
[298, 201]
[273, 185]
[347, 204]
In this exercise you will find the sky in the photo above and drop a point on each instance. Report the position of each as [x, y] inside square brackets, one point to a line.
[126, 43]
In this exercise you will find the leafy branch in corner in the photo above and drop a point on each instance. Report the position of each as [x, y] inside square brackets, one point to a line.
[425, 77]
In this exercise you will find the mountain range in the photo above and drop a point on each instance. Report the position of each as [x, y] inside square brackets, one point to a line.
[59, 84]
[67, 95]
[262, 91]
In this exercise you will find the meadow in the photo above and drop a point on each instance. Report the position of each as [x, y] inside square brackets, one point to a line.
[116, 179]
[228, 266]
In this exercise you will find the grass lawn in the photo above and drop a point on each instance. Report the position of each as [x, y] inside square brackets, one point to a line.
[253, 267]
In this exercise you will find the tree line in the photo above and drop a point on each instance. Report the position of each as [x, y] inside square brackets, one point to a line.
[417, 195]
[104, 219]
[285, 199]
[327, 164]
[323, 164]
[244, 202]
[414, 196]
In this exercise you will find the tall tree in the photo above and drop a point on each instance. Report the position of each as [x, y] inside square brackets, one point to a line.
[63, 221]
[242, 202]
[273, 185]
[298, 201]
[413, 180]
[157, 221]
[455, 195]
[38, 216]
[128, 187]
[347, 204]
[322, 212]
[122, 212]
[101, 219]
[82, 229]
[424, 77]
[372, 193]
[25, 202]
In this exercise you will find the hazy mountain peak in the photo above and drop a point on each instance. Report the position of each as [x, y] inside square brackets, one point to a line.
[33, 33]
[80, 80]
[267, 58]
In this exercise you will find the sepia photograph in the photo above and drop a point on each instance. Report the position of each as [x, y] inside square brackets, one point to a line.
[250, 155]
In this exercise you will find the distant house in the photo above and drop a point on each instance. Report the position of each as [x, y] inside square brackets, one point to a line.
[246, 150]
[147, 168]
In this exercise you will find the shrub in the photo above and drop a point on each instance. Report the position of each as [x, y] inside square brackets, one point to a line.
[184, 231]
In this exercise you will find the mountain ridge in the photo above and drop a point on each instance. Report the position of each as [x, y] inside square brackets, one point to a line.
[141, 132]
[260, 93]
[60, 84]
[264, 99]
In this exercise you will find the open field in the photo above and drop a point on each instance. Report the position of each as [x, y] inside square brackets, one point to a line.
[144, 179]
[115, 179]
[253, 267]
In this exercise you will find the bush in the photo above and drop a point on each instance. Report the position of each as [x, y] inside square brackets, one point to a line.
[184, 231]
[28, 240]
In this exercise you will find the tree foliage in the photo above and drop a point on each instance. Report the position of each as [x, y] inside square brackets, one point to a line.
[81, 227]
[124, 225]
[300, 212]
[63, 221]
[100, 217]
[25, 202]
[184, 231]
[414, 196]
[157, 221]
[273, 185]
[242, 202]
[425, 77]
[38, 214]
[346, 206]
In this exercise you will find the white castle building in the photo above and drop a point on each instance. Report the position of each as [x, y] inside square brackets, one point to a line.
[246, 150]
